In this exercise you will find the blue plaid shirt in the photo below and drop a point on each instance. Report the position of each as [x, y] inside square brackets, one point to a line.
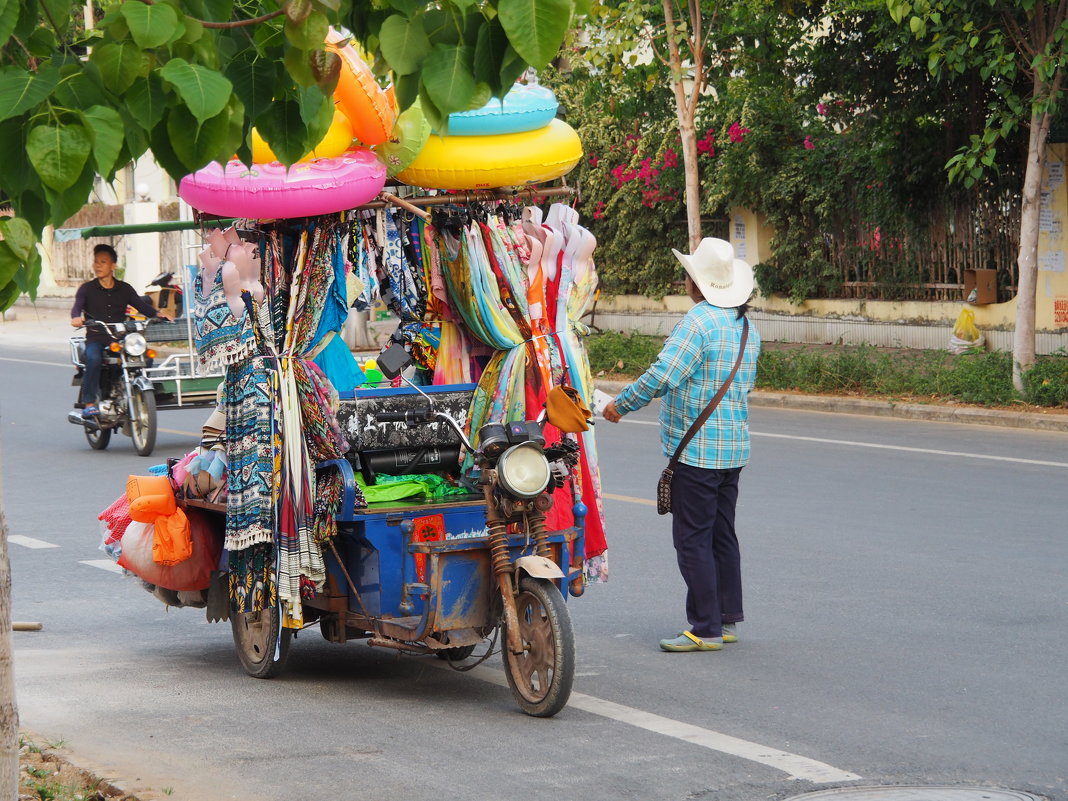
[694, 362]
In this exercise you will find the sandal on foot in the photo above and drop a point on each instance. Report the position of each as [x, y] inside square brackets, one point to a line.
[730, 634]
[690, 642]
[90, 410]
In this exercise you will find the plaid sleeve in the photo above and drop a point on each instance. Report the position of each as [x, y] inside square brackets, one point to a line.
[676, 361]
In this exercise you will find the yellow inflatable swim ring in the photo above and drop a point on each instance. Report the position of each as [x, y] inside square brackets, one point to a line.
[483, 162]
[338, 139]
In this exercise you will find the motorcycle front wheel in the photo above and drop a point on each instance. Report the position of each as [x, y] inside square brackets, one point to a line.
[541, 677]
[98, 437]
[143, 422]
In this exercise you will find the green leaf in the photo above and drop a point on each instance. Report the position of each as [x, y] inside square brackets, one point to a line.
[29, 274]
[490, 49]
[120, 63]
[408, 8]
[438, 121]
[9, 17]
[58, 13]
[18, 236]
[9, 293]
[21, 90]
[16, 175]
[253, 82]
[298, 10]
[146, 101]
[536, 28]
[326, 67]
[64, 205]
[583, 8]
[448, 79]
[441, 27]
[58, 153]
[512, 66]
[150, 25]
[204, 91]
[9, 265]
[404, 44]
[406, 89]
[298, 64]
[283, 129]
[309, 34]
[79, 86]
[316, 112]
[197, 143]
[106, 130]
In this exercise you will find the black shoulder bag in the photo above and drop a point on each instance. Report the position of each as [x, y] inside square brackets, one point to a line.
[663, 486]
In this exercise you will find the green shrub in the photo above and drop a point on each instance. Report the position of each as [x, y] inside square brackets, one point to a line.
[973, 377]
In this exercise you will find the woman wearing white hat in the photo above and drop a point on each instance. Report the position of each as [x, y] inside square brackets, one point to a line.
[712, 347]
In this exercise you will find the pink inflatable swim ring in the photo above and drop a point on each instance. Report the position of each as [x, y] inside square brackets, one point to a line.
[269, 191]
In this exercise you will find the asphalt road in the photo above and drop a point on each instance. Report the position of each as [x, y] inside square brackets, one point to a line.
[905, 603]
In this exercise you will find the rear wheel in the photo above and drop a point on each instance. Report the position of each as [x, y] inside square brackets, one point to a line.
[541, 676]
[143, 421]
[257, 635]
[98, 437]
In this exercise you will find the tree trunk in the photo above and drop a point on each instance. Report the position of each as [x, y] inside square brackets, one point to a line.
[9, 712]
[1023, 343]
[685, 110]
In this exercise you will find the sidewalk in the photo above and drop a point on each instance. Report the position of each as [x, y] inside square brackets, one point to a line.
[47, 325]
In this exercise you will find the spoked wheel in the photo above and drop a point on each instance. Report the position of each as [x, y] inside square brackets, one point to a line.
[541, 677]
[143, 421]
[255, 635]
[98, 437]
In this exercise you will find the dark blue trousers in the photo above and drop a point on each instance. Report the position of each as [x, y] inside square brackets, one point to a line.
[702, 526]
[94, 359]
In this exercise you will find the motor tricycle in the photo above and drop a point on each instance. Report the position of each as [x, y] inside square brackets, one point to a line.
[450, 576]
[127, 397]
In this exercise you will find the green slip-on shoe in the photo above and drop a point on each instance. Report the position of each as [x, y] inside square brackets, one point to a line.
[729, 633]
[688, 642]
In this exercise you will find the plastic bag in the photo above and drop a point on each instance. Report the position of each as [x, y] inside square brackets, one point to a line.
[192, 574]
[965, 334]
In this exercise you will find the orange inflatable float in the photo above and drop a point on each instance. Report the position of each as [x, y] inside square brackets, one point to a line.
[358, 95]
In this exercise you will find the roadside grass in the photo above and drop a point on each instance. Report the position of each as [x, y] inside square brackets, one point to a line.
[975, 377]
[44, 775]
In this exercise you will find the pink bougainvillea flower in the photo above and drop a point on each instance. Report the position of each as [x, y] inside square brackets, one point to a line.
[821, 109]
[670, 158]
[598, 212]
[594, 160]
[809, 144]
[736, 132]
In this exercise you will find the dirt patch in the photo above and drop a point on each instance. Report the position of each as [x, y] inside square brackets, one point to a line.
[45, 775]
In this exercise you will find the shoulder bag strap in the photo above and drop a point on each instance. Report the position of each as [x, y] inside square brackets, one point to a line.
[703, 417]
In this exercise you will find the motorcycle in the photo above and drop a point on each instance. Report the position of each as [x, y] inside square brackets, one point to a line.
[127, 397]
[487, 568]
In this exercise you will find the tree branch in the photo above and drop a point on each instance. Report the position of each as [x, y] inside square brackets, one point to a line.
[1019, 39]
[241, 23]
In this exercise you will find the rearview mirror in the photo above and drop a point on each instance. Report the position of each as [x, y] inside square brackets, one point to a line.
[392, 361]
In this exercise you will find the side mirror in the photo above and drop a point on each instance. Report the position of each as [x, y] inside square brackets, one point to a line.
[392, 361]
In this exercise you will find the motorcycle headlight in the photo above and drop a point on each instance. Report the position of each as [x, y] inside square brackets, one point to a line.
[135, 344]
[523, 470]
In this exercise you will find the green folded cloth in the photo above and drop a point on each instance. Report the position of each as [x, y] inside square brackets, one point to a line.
[416, 486]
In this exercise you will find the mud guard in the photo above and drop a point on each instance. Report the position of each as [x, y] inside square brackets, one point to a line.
[538, 567]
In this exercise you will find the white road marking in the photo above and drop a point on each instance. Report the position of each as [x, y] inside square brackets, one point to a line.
[628, 498]
[68, 365]
[932, 451]
[29, 542]
[103, 564]
[854, 444]
[797, 767]
[176, 431]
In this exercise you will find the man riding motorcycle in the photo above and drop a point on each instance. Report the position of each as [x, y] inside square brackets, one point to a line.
[105, 299]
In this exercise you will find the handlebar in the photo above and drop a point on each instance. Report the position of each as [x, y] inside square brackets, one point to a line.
[411, 416]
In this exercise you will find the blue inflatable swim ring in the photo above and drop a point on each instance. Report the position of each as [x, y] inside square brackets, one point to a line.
[525, 108]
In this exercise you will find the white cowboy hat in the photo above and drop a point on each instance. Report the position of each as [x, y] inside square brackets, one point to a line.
[723, 280]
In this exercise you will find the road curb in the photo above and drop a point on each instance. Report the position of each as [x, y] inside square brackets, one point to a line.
[934, 413]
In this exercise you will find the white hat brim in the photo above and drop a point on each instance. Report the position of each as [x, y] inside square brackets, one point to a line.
[740, 290]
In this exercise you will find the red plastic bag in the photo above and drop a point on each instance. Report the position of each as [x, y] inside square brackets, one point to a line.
[192, 574]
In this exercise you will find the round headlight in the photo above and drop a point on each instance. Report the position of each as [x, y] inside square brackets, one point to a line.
[523, 470]
[135, 344]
